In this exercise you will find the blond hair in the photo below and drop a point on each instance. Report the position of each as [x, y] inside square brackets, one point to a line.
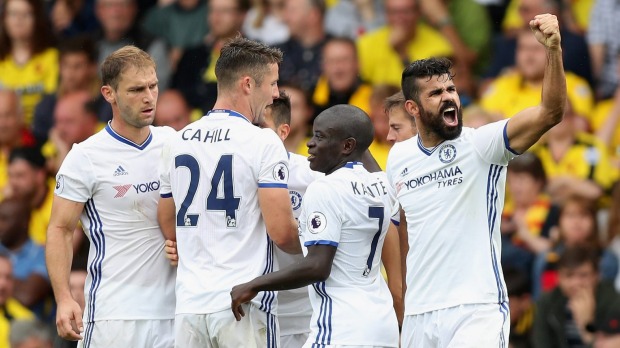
[121, 59]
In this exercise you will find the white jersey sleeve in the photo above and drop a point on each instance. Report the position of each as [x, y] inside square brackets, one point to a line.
[491, 143]
[274, 170]
[165, 165]
[324, 216]
[73, 182]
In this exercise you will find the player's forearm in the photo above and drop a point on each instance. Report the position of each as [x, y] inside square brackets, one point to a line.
[302, 273]
[288, 242]
[166, 217]
[58, 257]
[554, 87]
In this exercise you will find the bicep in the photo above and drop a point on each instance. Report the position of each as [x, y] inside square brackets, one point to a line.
[275, 207]
[525, 128]
[65, 215]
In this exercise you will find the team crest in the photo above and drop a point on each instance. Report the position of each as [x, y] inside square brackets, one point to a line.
[280, 172]
[60, 184]
[317, 222]
[447, 153]
[295, 199]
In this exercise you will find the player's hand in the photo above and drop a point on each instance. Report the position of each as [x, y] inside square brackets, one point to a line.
[69, 320]
[170, 248]
[239, 295]
[546, 30]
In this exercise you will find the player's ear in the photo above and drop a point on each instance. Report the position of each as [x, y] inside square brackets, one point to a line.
[348, 146]
[283, 131]
[412, 108]
[108, 94]
[246, 84]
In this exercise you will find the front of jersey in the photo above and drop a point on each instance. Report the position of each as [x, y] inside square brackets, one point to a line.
[350, 210]
[453, 196]
[129, 277]
[213, 169]
[294, 309]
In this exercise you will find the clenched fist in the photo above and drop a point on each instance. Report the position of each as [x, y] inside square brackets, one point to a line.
[546, 30]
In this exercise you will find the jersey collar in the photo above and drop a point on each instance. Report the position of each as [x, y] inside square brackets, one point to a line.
[229, 112]
[124, 140]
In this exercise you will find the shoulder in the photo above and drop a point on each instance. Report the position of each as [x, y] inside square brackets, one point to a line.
[162, 131]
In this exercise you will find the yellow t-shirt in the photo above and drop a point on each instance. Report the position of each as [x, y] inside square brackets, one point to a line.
[360, 98]
[588, 159]
[579, 8]
[15, 310]
[31, 80]
[599, 116]
[380, 64]
[40, 217]
[508, 94]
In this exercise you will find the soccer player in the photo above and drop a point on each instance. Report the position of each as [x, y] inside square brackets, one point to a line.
[110, 183]
[344, 220]
[402, 125]
[450, 183]
[224, 199]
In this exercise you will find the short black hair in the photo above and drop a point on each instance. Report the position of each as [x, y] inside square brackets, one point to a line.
[351, 122]
[281, 109]
[423, 68]
[31, 155]
[79, 44]
[573, 257]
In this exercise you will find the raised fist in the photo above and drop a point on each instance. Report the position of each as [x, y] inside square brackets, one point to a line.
[546, 30]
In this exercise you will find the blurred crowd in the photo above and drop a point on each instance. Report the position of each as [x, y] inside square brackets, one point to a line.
[561, 222]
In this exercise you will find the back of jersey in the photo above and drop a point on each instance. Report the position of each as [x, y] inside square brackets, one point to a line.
[213, 169]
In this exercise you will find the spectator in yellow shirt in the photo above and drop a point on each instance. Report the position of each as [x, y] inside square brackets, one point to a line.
[521, 87]
[385, 52]
[10, 308]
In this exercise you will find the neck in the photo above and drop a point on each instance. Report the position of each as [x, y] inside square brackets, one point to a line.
[136, 135]
[20, 44]
[429, 139]
[236, 103]
[343, 162]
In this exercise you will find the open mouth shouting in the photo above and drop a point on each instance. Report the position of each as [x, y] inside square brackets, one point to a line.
[449, 115]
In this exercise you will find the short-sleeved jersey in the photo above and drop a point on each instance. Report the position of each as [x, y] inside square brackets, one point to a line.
[350, 210]
[213, 168]
[453, 196]
[294, 309]
[129, 277]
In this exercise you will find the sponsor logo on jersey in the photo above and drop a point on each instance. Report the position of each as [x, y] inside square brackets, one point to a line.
[121, 190]
[120, 171]
[295, 199]
[447, 153]
[280, 172]
[317, 222]
[60, 184]
[404, 172]
[442, 175]
[145, 187]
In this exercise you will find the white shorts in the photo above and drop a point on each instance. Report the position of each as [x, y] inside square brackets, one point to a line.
[128, 333]
[474, 325]
[294, 341]
[256, 329]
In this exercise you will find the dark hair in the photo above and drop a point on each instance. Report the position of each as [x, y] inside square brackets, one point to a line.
[240, 56]
[31, 155]
[351, 122]
[79, 44]
[574, 257]
[281, 109]
[590, 208]
[342, 40]
[119, 60]
[423, 68]
[529, 163]
[518, 282]
[41, 39]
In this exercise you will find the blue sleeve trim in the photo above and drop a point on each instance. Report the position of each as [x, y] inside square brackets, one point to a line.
[267, 185]
[507, 142]
[321, 242]
[165, 195]
[396, 223]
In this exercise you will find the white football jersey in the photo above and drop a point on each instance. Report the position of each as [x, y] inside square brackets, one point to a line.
[213, 169]
[350, 209]
[129, 277]
[294, 309]
[453, 196]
